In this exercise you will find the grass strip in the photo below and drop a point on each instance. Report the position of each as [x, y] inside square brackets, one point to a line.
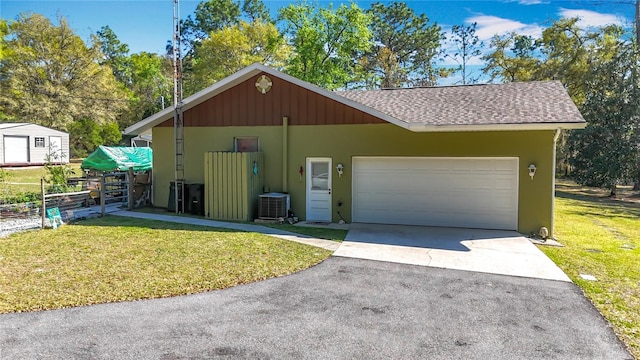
[602, 238]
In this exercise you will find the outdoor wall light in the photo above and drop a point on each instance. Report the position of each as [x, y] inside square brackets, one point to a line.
[532, 171]
[544, 233]
[340, 169]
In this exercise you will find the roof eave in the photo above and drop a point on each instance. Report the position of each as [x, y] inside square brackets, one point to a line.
[241, 76]
[257, 68]
[496, 127]
[198, 98]
[148, 123]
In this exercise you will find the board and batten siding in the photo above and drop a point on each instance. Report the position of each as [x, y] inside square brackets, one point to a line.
[232, 183]
[37, 155]
[243, 105]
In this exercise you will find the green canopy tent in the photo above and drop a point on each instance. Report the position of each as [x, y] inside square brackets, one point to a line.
[107, 158]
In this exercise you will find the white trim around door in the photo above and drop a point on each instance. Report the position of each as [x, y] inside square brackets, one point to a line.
[318, 185]
[473, 192]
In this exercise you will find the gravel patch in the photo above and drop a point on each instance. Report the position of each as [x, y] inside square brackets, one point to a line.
[10, 226]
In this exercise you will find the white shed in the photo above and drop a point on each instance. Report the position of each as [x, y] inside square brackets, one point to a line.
[24, 144]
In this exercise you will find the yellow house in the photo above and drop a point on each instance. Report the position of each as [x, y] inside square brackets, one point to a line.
[478, 156]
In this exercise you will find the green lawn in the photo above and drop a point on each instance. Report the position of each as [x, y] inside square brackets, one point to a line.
[30, 177]
[116, 259]
[316, 232]
[602, 238]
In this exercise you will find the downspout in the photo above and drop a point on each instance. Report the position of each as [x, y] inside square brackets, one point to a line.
[285, 154]
[556, 135]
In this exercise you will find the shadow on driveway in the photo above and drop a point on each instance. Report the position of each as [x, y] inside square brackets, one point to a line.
[491, 251]
[342, 308]
[426, 237]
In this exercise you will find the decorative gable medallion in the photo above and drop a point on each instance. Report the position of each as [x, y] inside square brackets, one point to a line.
[263, 84]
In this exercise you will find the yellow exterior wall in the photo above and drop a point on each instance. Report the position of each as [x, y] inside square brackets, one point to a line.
[342, 142]
[233, 181]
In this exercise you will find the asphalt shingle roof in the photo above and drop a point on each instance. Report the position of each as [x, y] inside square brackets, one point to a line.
[512, 103]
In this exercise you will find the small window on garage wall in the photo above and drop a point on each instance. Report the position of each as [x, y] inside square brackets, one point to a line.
[246, 144]
[39, 142]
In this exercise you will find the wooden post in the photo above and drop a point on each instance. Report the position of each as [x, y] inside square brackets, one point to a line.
[130, 185]
[102, 195]
[285, 154]
[44, 202]
[150, 187]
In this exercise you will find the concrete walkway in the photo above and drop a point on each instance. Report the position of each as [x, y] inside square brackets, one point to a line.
[281, 234]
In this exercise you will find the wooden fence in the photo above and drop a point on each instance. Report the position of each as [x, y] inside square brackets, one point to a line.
[100, 191]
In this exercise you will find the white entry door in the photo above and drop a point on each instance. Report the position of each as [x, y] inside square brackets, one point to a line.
[55, 148]
[16, 149]
[319, 189]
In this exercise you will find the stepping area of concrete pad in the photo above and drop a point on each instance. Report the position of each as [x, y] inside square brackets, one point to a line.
[281, 234]
[488, 251]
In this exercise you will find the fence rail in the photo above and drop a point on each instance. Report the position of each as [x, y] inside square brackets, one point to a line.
[89, 196]
[107, 188]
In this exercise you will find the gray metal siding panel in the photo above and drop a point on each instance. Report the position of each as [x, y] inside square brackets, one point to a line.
[37, 155]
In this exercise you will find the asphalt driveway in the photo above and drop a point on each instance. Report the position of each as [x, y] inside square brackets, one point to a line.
[341, 308]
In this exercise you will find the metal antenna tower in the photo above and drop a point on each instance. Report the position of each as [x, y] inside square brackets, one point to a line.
[178, 124]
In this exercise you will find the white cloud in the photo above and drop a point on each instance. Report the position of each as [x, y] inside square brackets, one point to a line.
[528, 2]
[591, 18]
[532, 2]
[488, 26]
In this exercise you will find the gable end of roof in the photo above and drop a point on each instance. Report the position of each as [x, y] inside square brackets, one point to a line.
[541, 105]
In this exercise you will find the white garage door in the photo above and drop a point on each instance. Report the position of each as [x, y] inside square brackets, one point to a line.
[456, 192]
[16, 149]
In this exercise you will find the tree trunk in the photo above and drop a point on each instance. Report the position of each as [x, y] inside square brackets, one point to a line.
[614, 190]
[636, 185]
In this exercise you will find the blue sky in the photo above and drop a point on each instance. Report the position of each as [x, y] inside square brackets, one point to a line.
[146, 25]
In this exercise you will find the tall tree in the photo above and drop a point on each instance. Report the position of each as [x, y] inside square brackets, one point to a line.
[145, 78]
[211, 15]
[405, 49]
[215, 15]
[637, 22]
[4, 30]
[51, 77]
[564, 52]
[326, 43]
[513, 58]
[607, 152]
[255, 10]
[115, 53]
[598, 68]
[233, 48]
[150, 82]
[468, 47]
[87, 135]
